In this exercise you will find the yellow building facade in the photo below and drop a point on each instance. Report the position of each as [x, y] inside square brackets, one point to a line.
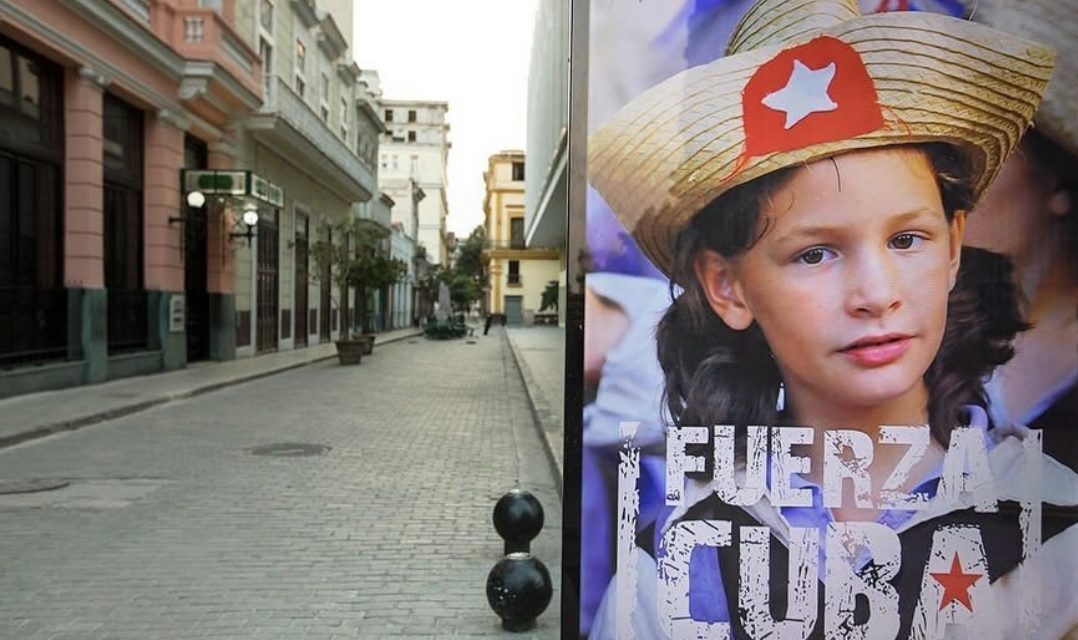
[516, 275]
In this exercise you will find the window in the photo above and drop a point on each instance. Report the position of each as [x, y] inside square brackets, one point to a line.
[301, 68]
[514, 272]
[33, 310]
[30, 111]
[122, 128]
[266, 18]
[411, 136]
[516, 233]
[7, 77]
[411, 115]
[518, 171]
[389, 115]
[344, 119]
[384, 164]
[323, 96]
[265, 52]
[301, 57]
[193, 29]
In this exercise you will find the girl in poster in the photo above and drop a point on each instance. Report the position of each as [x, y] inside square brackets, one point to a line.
[809, 193]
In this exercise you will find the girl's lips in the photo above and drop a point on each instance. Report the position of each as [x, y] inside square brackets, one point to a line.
[877, 351]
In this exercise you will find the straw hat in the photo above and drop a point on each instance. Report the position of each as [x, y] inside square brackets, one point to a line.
[1055, 23]
[803, 80]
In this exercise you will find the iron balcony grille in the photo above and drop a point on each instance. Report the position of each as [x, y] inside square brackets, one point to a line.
[33, 325]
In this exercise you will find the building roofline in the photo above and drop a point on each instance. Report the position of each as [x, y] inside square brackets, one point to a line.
[434, 103]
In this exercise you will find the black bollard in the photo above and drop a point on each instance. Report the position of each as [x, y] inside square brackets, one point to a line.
[519, 589]
[518, 518]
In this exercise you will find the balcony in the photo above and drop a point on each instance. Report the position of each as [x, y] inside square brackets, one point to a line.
[288, 124]
[203, 35]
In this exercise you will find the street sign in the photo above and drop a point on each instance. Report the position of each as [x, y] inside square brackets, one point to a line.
[233, 183]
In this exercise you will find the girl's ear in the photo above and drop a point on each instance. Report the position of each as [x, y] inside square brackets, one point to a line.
[957, 232]
[721, 289]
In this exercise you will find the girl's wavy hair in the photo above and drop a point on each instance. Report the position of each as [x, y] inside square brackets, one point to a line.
[716, 375]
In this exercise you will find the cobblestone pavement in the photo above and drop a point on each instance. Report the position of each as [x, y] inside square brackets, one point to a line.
[171, 528]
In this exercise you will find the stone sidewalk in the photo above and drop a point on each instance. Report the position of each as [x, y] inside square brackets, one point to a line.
[37, 415]
[540, 356]
[175, 526]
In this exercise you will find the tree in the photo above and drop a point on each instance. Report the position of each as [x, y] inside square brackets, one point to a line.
[470, 261]
[463, 291]
[550, 297]
[358, 261]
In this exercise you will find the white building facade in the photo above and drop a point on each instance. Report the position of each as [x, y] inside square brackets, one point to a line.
[402, 295]
[413, 153]
[546, 190]
[314, 139]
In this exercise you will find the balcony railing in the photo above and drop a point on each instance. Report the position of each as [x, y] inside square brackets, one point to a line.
[127, 320]
[281, 100]
[503, 244]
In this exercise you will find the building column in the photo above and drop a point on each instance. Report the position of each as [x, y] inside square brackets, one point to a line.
[84, 226]
[164, 257]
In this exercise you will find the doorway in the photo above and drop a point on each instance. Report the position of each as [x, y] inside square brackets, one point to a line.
[266, 327]
[301, 313]
[196, 296]
[514, 310]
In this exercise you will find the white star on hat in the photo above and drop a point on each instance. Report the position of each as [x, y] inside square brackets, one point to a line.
[804, 94]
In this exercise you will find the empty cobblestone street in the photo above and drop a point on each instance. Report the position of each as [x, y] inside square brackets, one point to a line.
[172, 526]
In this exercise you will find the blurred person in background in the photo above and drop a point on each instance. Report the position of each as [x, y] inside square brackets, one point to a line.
[1029, 215]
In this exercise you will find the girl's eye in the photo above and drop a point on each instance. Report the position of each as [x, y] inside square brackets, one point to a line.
[815, 255]
[905, 241]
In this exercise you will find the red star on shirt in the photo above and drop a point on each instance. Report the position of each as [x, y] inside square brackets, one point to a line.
[890, 5]
[956, 584]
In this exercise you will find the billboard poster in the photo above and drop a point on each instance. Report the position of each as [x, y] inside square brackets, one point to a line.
[830, 329]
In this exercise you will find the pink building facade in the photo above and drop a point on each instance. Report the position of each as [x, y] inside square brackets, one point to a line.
[105, 272]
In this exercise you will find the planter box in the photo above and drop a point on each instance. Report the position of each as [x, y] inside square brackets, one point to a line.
[350, 351]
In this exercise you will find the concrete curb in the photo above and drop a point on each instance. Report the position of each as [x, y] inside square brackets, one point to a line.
[550, 429]
[90, 419]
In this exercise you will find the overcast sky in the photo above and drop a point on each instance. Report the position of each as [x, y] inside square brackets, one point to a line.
[473, 54]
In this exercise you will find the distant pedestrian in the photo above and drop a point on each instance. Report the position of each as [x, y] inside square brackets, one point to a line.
[486, 325]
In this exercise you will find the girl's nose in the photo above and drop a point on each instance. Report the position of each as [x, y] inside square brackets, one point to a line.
[872, 287]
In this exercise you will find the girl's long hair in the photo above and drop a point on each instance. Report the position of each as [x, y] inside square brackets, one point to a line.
[715, 375]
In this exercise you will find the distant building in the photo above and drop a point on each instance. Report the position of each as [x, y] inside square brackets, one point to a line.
[546, 191]
[402, 295]
[517, 275]
[413, 153]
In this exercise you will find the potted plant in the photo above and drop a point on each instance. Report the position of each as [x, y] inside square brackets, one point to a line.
[358, 262]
